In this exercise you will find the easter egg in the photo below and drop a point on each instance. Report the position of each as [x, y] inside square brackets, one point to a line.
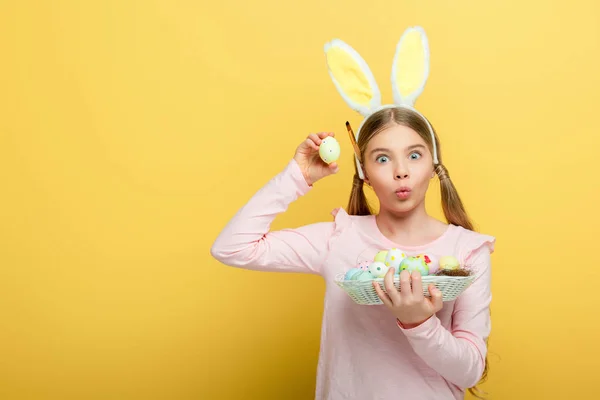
[431, 261]
[363, 276]
[394, 257]
[378, 269]
[364, 265]
[449, 262]
[412, 264]
[352, 272]
[329, 150]
[381, 256]
[425, 258]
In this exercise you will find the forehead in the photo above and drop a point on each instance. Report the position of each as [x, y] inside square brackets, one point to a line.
[396, 136]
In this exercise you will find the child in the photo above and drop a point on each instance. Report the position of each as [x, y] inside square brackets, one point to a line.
[412, 347]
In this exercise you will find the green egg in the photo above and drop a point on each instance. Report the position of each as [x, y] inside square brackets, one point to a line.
[415, 264]
[329, 150]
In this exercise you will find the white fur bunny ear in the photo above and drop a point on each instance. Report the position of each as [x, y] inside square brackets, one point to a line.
[410, 69]
[352, 77]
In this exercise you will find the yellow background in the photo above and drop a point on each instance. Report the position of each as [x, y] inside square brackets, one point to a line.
[126, 125]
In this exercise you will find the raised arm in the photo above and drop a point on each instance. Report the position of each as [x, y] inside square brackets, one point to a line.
[247, 240]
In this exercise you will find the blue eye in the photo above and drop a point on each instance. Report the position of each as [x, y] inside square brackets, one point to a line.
[380, 158]
[415, 155]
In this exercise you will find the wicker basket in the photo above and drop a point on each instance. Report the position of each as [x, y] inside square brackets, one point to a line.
[363, 292]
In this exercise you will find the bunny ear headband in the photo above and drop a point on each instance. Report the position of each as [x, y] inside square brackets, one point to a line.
[355, 82]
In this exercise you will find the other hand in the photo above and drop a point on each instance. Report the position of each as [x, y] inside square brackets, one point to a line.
[409, 305]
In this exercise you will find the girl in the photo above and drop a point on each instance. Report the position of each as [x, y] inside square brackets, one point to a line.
[412, 347]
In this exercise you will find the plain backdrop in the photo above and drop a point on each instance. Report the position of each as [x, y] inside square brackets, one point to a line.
[131, 131]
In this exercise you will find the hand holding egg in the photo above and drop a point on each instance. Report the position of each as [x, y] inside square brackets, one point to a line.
[309, 159]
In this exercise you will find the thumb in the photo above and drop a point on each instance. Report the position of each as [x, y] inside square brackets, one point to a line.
[330, 169]
[436, 298]
[333, 168]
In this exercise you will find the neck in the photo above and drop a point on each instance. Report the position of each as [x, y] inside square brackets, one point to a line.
[411, 228]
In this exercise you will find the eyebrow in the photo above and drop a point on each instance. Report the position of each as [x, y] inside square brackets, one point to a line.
[384, 149]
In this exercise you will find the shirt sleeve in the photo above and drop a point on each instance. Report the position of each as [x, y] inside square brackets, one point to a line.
[459, 354]
[247, 241]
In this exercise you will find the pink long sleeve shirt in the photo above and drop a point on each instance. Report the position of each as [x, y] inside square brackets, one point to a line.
[364, 354]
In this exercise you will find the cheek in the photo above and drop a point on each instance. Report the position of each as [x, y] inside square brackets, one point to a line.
[377, 177]
[423, 177]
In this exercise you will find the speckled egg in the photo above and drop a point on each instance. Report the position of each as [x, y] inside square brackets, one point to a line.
[364, 265]
[329, 150]
[394, 257]
[378, 269]
[412, 264]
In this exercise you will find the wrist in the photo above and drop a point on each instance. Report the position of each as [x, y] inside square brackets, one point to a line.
[303, 171]
[410, 325]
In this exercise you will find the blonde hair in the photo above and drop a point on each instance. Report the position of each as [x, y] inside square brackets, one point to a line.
[453, 208]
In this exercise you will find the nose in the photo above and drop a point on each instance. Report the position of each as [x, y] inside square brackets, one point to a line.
[401, 171]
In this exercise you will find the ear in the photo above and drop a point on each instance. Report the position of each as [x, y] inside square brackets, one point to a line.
[410, 69]
[366, 177]
[352, 77]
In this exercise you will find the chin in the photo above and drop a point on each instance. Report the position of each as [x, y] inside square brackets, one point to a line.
[400, 208]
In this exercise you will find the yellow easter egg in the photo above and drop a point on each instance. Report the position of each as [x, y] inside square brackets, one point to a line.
[381, 256]
[449, 262]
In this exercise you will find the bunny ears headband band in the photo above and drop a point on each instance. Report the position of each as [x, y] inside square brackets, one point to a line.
[356, 84]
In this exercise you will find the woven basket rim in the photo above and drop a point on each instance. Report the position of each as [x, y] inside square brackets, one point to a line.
[340, 278]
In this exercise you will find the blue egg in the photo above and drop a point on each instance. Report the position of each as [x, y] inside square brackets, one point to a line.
[351, 273]
[364, 276]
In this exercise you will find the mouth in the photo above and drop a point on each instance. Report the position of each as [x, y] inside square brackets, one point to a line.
[403, 193]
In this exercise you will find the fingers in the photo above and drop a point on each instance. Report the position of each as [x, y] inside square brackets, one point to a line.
[382, 295]
[405, 289]
[318, 137]
[315, 138]
[417, 286]
[388, 281]
[314, 141]
[323, 135]
[436, 298]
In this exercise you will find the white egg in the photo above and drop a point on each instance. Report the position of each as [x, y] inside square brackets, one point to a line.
[394, 257]
[378, 269]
